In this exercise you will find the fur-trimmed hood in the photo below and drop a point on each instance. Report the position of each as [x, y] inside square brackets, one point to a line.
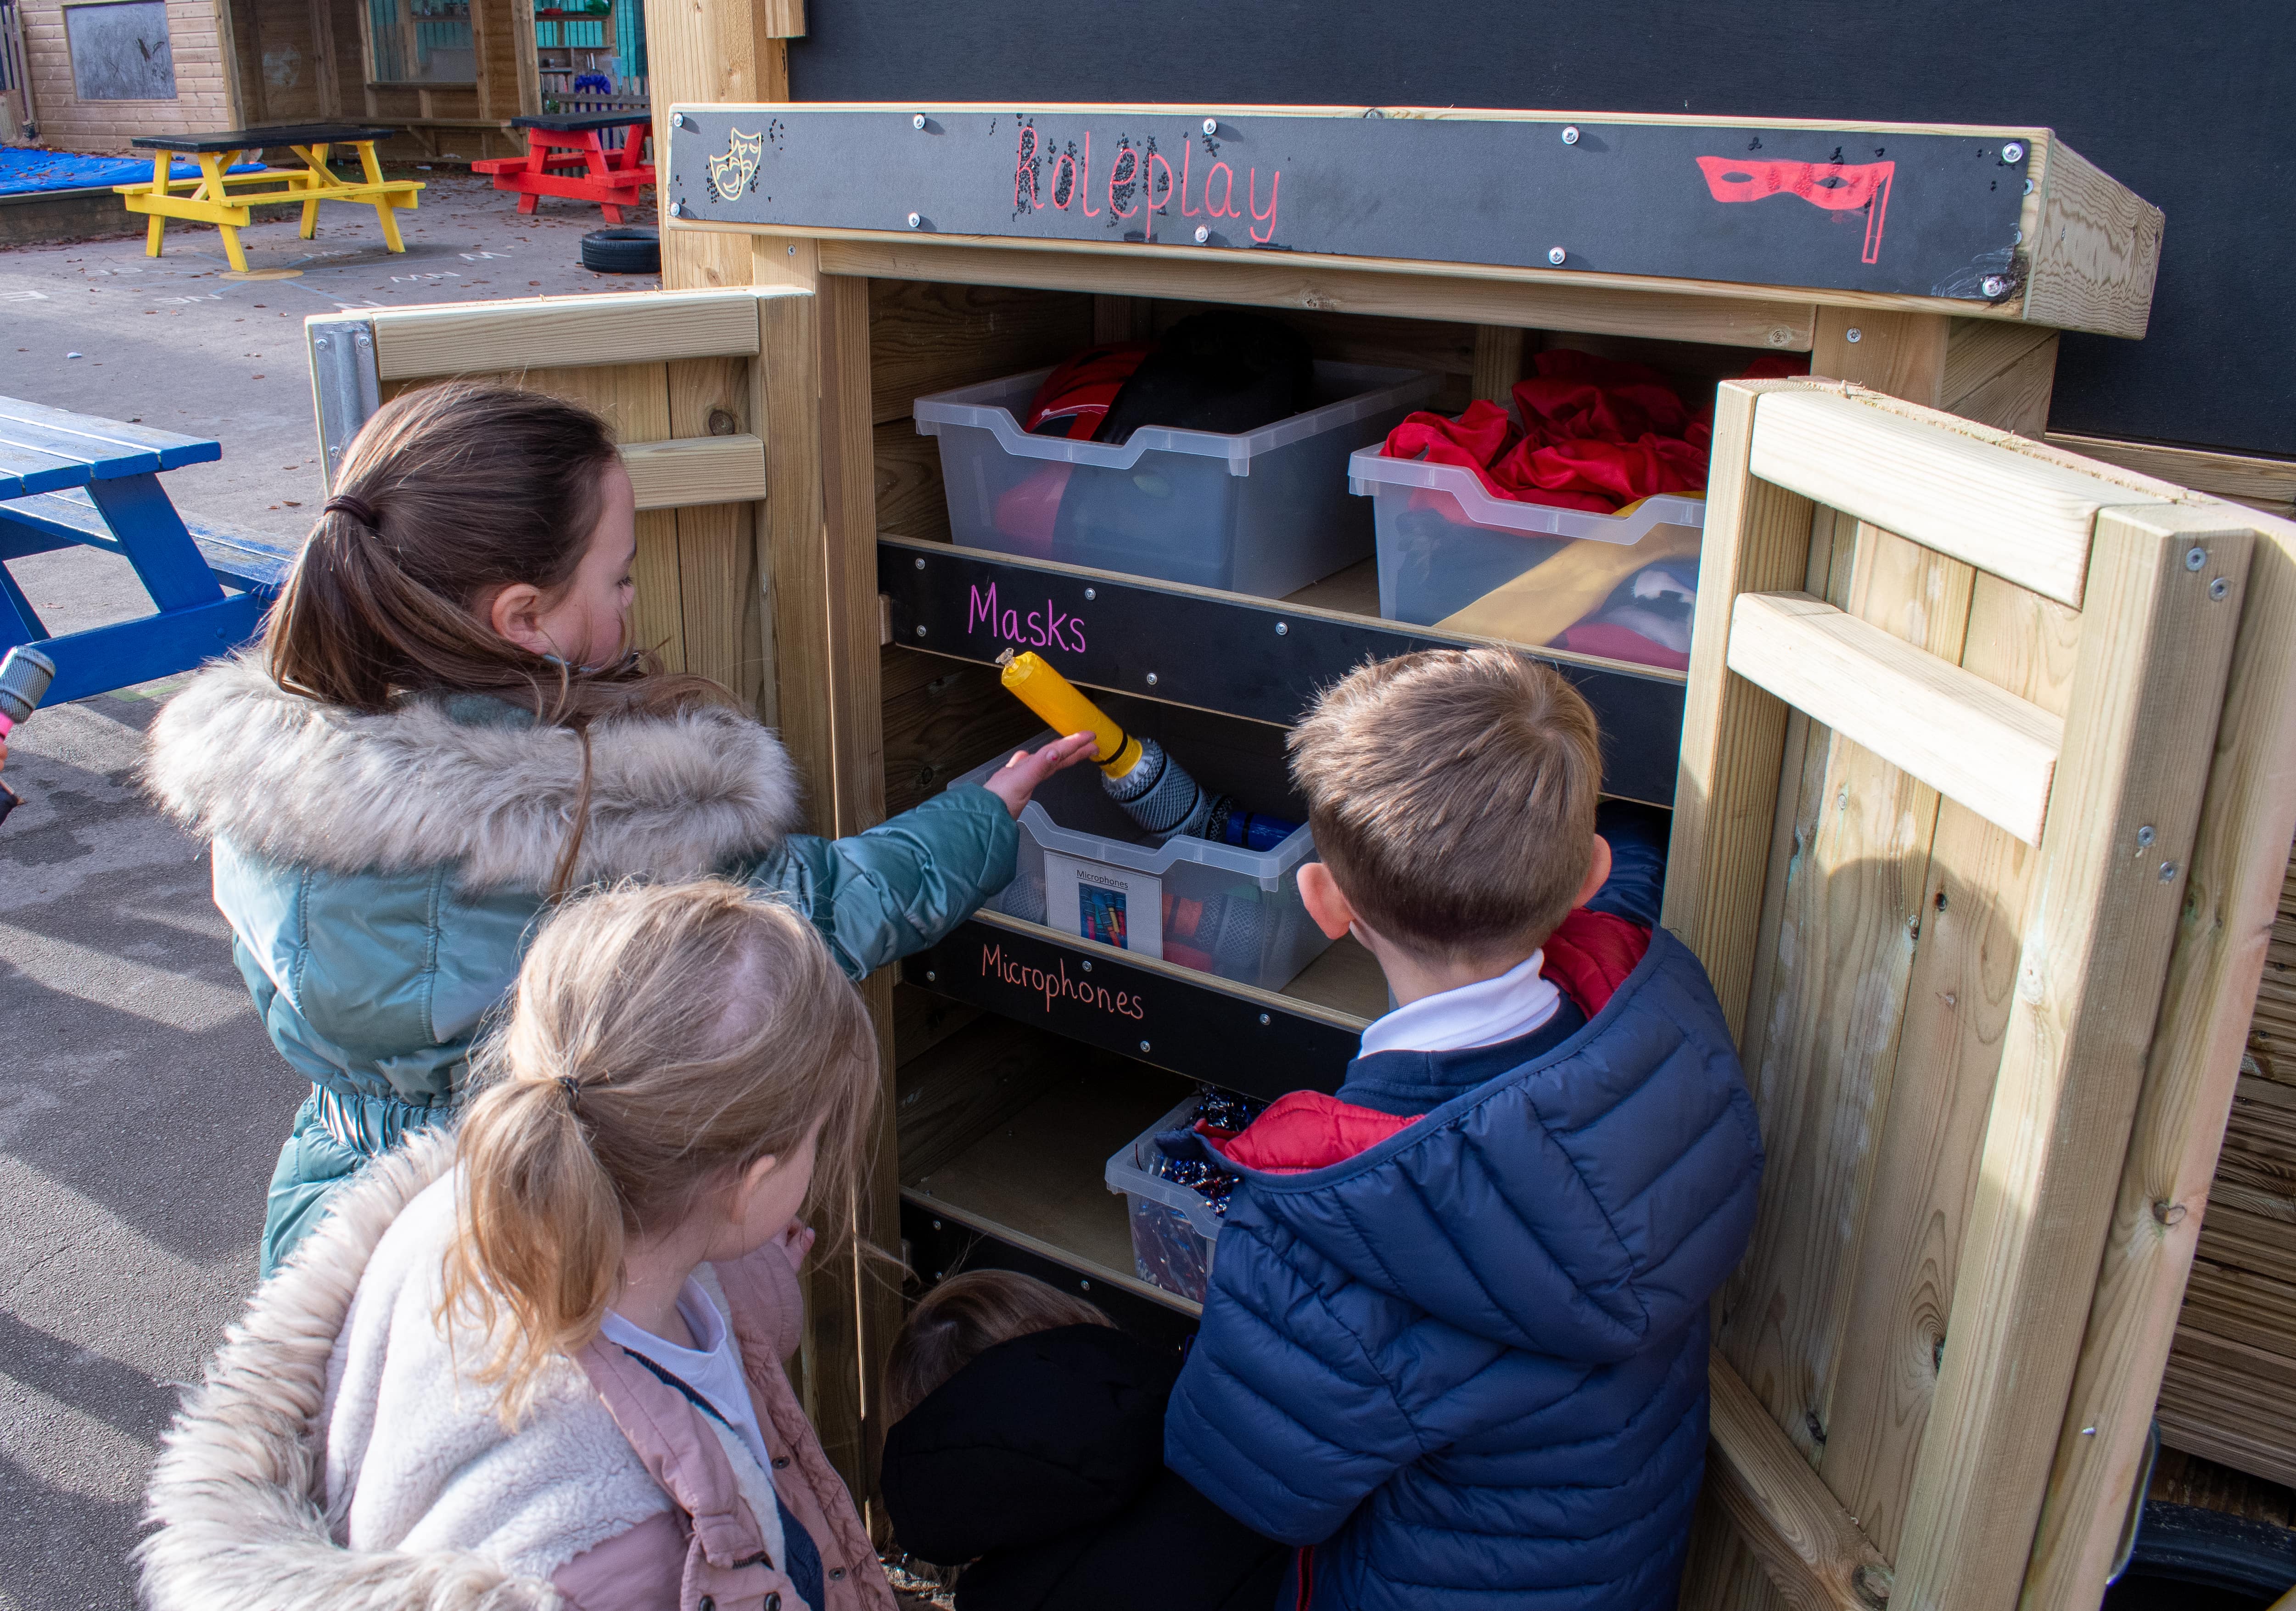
[238, 1496]
[290, 780]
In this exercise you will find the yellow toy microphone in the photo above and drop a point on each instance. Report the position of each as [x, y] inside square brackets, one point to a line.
[1154, 789]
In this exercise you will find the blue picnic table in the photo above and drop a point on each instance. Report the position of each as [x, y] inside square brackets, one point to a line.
[72, 480]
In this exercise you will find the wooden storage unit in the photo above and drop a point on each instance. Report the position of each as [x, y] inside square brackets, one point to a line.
[1003, 1102]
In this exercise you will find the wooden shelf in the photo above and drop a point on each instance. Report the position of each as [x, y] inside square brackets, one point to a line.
[1008, 1129]
[1260, 659]
[1259, 1042]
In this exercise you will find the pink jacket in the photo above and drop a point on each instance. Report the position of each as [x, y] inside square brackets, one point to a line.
[329, 1462]
[712, 1547]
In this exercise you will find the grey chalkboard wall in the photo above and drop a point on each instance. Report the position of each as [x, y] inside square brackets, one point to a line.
[2187, 104]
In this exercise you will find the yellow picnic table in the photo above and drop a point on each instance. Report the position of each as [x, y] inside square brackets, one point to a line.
[223, 198]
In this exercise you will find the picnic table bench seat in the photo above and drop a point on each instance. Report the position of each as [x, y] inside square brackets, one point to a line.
[70, 479]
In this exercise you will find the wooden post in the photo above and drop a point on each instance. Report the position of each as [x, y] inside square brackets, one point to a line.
[2150, 679]
[1756, 541]
[724, 50]
[856, 1306]
[2246, 820]
[1498, 362]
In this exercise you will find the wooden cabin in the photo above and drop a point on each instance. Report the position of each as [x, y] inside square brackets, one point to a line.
[450, 73]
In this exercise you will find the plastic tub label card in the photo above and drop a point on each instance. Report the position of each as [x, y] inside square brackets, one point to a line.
[1112, 905]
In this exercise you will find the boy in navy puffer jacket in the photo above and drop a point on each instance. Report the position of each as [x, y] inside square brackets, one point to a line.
[1455, 1347]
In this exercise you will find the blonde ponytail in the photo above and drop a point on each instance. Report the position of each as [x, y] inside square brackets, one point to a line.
[660, 1039]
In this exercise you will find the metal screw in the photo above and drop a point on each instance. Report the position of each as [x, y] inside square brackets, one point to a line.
[921, 631]
[1151, 679]
[1211, 126]
[921, 564]
[1203, 233]
[1780, 336]
[1993, 285]
[318, 341]
[1090, 594]
[677, 209]
[1555, 254]
[1570, 134]
[2167, 872]
[1087, 964]
[1871, 1585]
[931, 977]
[2167, 1212]
[2144, 836]
[2194, 558]
[915, 219]
[1265, 1019]
[2220, 590]
[1144, 1046]
[2015, 152]
[1853, 335]
[918, 121]
[364, 342]
[936, 1222]
[2029, 187]
[2016, 237]
[1084, 1285]
[677, 119]
[1280, 629]
[792, 252]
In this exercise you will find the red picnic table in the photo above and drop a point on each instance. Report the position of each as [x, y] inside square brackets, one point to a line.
[566, 155]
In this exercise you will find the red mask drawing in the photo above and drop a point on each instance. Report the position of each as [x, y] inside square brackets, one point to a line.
[1837, 186]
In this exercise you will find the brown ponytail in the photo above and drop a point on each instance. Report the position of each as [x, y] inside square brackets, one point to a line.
[660, 1040]
[450, 493]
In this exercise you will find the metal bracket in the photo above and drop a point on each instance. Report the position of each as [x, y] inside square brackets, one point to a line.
[345, 390]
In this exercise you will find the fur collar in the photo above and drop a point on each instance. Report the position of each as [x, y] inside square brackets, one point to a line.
[237, 1497]
[290, 780]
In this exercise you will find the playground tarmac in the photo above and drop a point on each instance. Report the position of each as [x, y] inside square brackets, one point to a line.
[141, 1106]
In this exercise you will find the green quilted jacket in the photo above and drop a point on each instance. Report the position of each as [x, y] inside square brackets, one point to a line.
[382, 874]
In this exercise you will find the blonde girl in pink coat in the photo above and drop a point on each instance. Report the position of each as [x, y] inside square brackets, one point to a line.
[538, 1362]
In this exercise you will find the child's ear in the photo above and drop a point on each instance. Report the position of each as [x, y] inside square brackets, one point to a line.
[1319, 891]
[1598, 872]
[515, 614]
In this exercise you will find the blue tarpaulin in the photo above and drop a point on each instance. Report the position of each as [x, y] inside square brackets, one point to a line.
[24, 170]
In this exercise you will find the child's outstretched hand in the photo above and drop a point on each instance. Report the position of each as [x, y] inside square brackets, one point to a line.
[1020, 775]
[795, 1242]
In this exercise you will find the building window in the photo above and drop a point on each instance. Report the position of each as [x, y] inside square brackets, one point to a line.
[119, 51]
[420, 42]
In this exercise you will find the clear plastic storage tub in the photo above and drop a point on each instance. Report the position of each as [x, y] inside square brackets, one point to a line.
[1085, 868]
[1262, 512]
[1173, 1226]
[1451, 554]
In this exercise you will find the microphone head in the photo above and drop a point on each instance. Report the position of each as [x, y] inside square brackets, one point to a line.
[24, 679]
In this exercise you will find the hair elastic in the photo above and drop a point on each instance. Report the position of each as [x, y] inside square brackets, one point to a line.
[573, 1089]
[343, 503]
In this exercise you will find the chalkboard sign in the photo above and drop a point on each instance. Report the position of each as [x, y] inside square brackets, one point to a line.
[1885, 211]
[119, 52]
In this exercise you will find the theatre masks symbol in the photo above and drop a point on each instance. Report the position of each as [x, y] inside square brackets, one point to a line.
[730, 175]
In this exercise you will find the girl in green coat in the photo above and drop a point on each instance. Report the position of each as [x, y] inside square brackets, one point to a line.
[444, 730]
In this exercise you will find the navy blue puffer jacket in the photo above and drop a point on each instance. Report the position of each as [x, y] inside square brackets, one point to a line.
[1468, 1364]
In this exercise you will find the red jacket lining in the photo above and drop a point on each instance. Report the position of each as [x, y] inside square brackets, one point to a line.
[1588, 959]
